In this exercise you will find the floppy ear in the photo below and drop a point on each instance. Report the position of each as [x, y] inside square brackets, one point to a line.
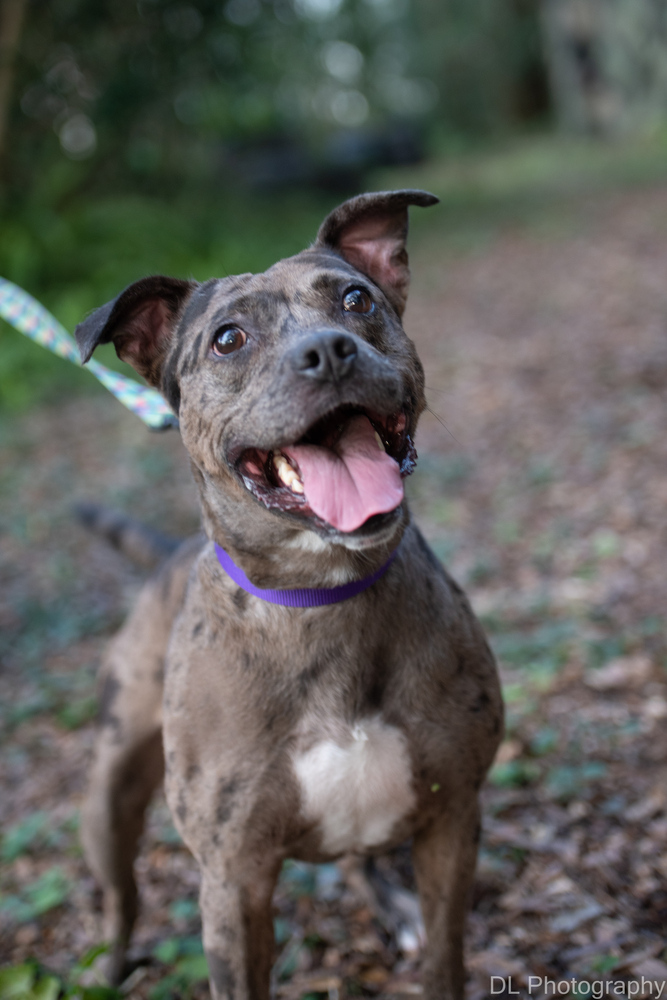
[140, 322]
[370, 231]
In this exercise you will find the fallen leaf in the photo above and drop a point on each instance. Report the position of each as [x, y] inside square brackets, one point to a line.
[647, 807]
[398, 986]
[571, 919]
[321, 984]
[375, 976]
[651, 968]
[507, 751]
[624, 671]
[492, 963]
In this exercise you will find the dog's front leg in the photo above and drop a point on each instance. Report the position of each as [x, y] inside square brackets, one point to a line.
[444, 856]
[238, 925]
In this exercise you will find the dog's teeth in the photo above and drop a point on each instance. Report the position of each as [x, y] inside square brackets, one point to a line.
[285, 471]
[379, 441]
[287, 475]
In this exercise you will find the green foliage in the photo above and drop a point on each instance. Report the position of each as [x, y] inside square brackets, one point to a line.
[68, 695]
[565, 783]
[546, 646]
[157, 97]
[604, 964]
[605, 543]
[22, 837]
[29, 982]
[73, 987]
[298, 878]
[169, 835]
[16, 981]
[78, 712]
[75, 251]
[171, 949]
[143, 95]
[514, 773]
[282, 930]
[187, 957]
[600, 651]
[184, 909]
[39, 625]
[188, 972]
[48, 891]
[544, 741]
[28, 372]
[83, 256]
[22, 982]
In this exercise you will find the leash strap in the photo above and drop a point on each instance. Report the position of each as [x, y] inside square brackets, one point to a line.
[28, 316]
[308, 597]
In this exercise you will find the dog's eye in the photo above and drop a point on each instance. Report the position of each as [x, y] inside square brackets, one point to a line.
[228, 339]
[357, 300]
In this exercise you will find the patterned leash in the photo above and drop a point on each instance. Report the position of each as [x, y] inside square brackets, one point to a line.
[29, 317]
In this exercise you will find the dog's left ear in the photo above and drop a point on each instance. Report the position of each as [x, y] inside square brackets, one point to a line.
[370, 231]
[139, 322]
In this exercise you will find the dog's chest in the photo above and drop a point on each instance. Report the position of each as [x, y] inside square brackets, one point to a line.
[356, 786]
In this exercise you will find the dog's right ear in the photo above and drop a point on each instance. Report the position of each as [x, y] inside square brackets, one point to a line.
[139, 322]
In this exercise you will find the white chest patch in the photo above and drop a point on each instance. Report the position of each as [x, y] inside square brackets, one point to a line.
[356, 789]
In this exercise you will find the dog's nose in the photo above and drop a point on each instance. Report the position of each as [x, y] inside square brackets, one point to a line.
[327, 357]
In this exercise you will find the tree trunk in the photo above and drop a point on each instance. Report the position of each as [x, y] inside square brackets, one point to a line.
[11, 20]
[608, 63]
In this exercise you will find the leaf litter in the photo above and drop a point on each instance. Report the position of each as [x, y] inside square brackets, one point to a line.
[546, 359]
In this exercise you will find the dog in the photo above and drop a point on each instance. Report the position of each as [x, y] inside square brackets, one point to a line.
[307, 677]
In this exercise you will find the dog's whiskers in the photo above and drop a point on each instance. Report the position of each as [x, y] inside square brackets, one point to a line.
[443, 424]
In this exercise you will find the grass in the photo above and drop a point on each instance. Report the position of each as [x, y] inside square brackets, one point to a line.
[524, 178]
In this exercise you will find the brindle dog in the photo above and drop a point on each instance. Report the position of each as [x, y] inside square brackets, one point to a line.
[307, 732]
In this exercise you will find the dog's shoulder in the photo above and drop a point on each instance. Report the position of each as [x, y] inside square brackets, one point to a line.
[428, 582]
[438, 609]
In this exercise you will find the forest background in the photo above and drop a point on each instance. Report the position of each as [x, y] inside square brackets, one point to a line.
[208, 138]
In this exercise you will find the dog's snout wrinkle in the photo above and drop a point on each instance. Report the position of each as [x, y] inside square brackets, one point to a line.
[326, 357]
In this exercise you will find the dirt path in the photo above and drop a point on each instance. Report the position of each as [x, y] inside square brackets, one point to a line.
[546, 358]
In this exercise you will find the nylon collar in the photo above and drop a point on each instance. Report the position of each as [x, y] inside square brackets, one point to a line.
[306, 597]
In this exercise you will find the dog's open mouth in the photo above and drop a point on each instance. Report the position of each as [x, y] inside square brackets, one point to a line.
[347, 468]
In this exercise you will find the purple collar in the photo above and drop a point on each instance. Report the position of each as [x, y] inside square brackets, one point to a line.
[307, 597]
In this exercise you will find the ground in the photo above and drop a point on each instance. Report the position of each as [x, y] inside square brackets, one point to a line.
[542, 484]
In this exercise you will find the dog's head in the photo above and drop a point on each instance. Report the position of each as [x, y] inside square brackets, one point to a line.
[297, 390]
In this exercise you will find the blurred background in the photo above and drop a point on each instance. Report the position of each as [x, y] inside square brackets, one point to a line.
[209, 138]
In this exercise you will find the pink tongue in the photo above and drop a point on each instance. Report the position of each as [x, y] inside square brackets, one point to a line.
[347, 484]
